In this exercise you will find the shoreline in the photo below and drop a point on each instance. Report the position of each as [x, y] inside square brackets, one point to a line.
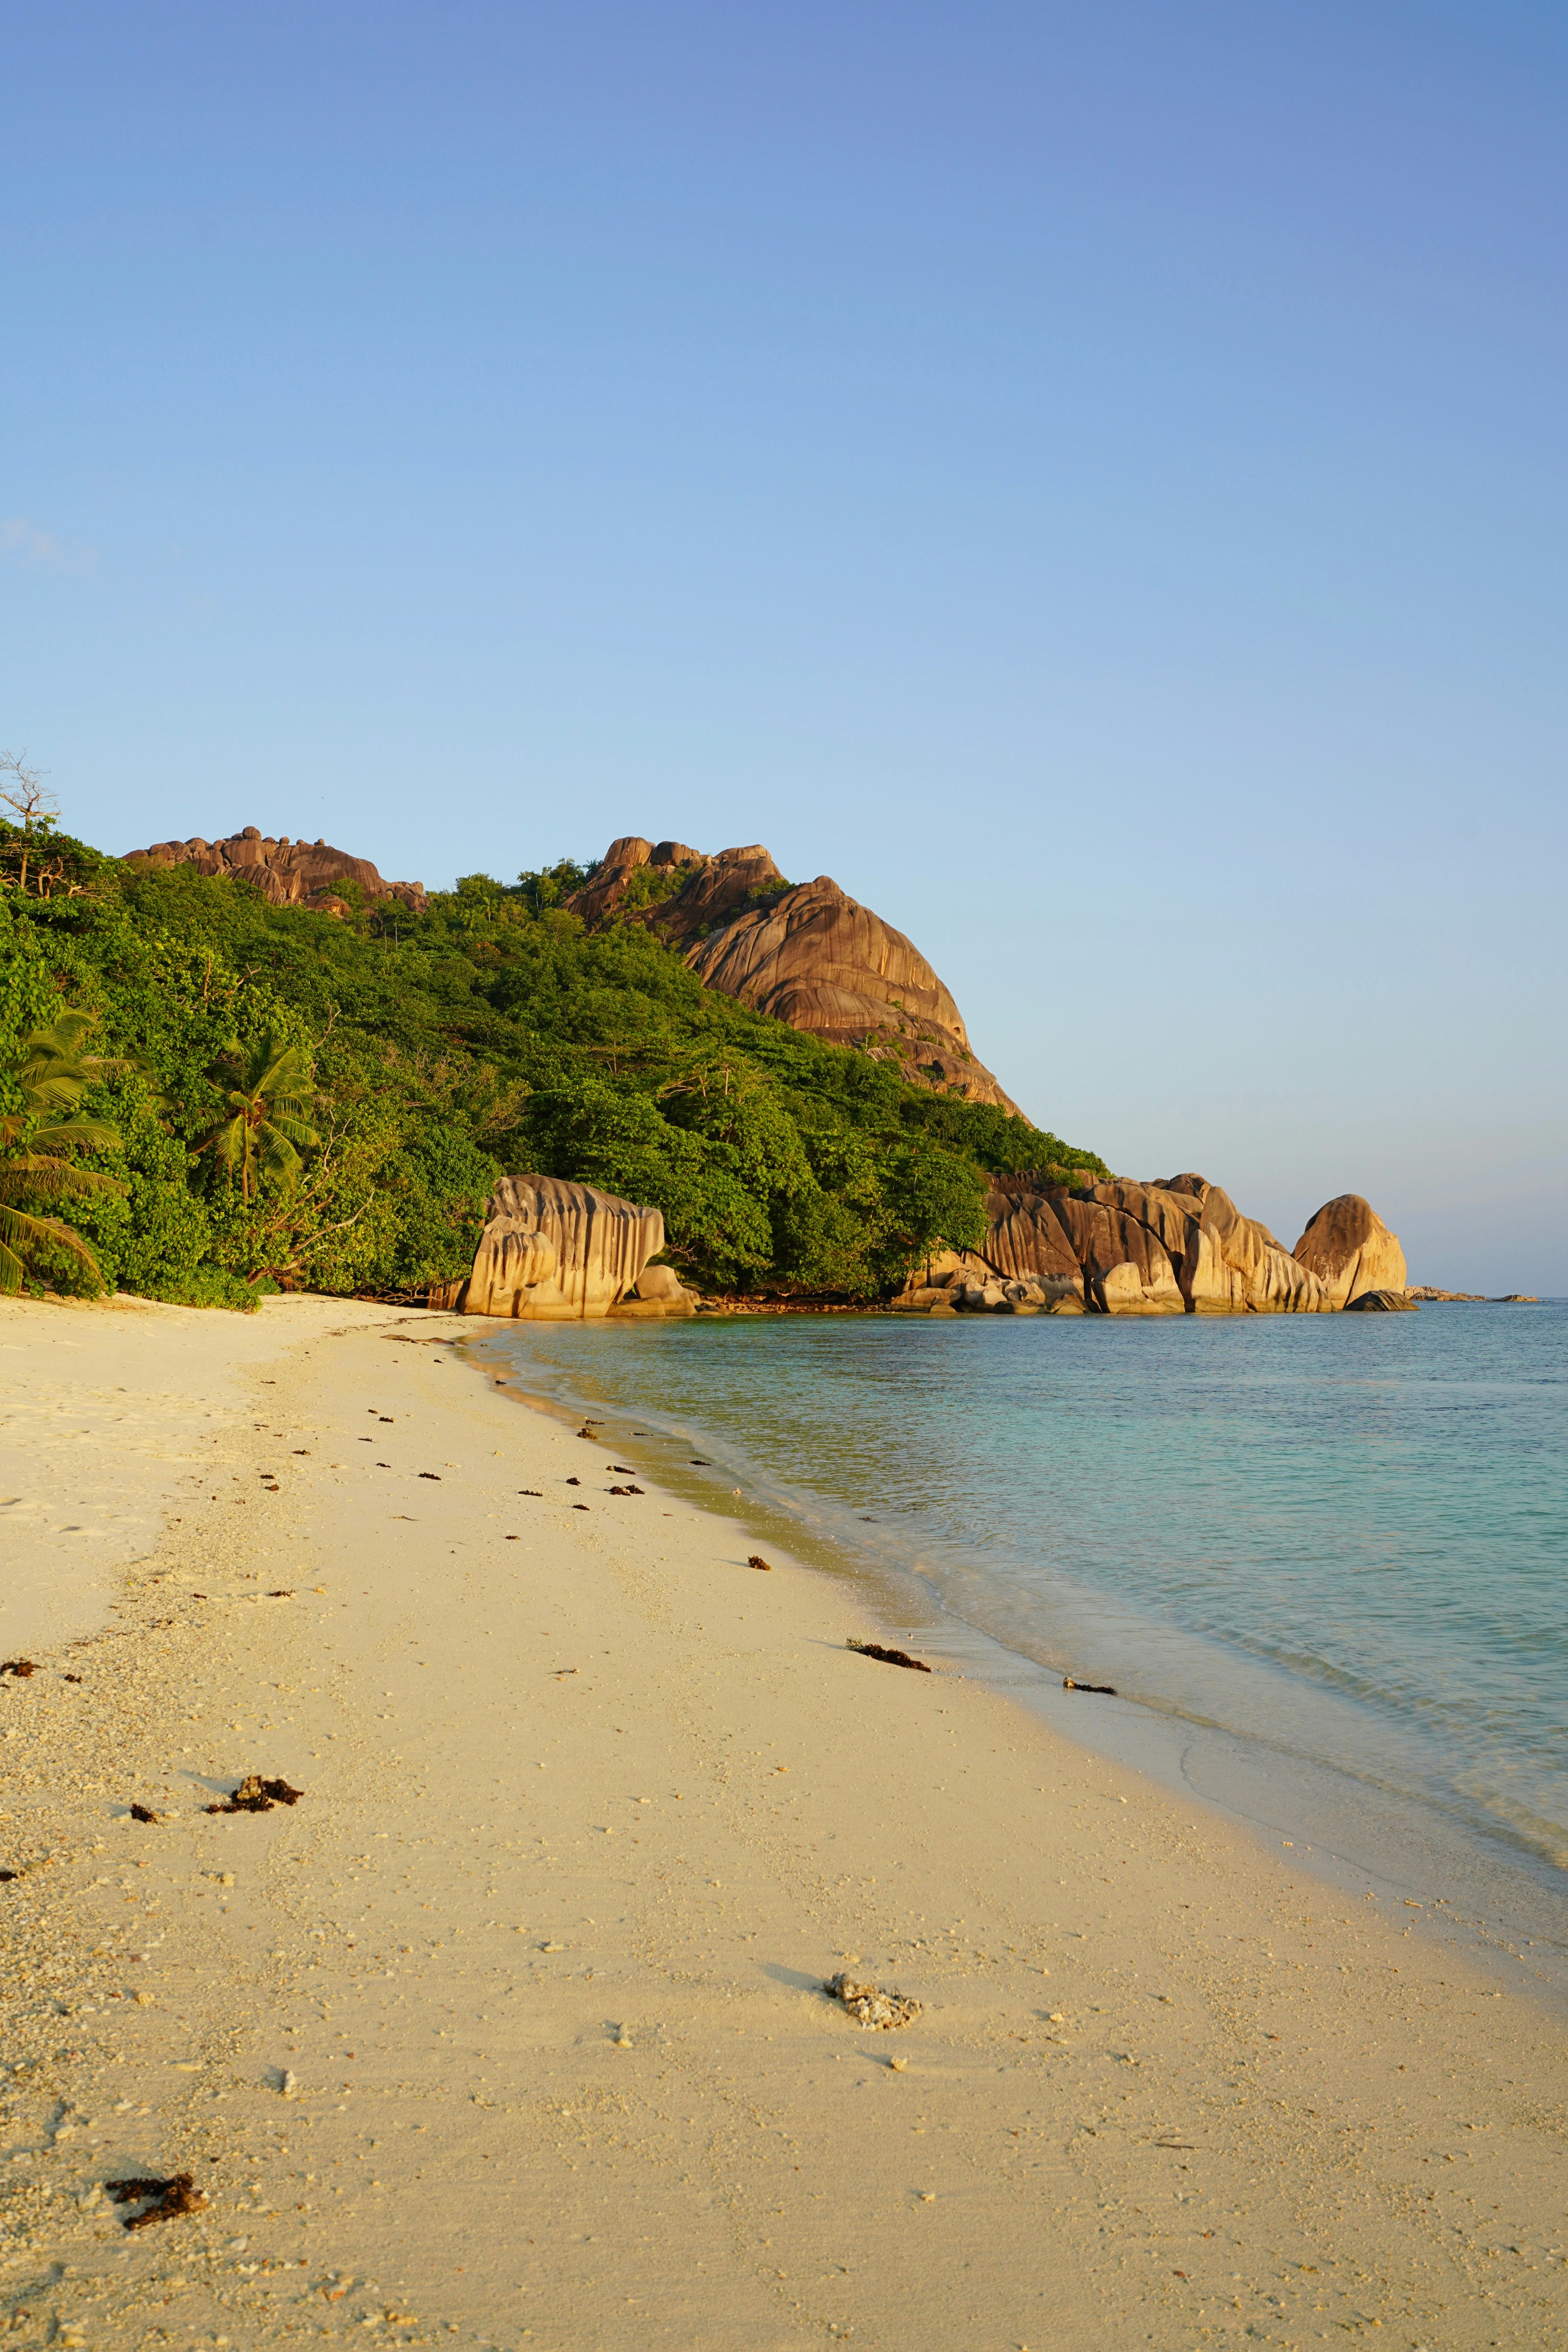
[1505, 1901]
[572, 1772]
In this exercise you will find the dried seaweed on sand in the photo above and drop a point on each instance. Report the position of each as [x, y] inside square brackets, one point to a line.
[256, 1795]
[172, 2197]
[889, 1657]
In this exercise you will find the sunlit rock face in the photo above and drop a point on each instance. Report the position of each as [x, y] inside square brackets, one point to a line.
[1350, 1249]
[808, 955]
[1176, 1246]
[554, 1251]
[287, 873]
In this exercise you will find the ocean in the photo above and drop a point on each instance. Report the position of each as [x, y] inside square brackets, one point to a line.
[1323, 1560]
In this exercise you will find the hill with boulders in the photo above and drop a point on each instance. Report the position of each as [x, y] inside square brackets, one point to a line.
[805, 953]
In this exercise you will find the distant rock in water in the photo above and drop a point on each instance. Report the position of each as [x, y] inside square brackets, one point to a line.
[557, 1252]
[808, 954]
[287, 873]
[1426, 1293]
[1350, 1249]
[1383, 1302]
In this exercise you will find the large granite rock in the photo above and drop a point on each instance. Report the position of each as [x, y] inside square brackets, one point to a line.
[1179, 1246]
[1350, 1249]
[553, 1252]
[809, 955]
[287, 873]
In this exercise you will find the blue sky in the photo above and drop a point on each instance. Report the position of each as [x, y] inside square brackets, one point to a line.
[1091, 479]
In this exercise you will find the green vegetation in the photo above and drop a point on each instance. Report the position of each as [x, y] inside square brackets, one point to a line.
[285, 1099]
[263, 1122]
[47, 1074]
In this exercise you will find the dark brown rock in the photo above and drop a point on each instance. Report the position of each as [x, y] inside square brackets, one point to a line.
[1383, 1302]
[287, 873]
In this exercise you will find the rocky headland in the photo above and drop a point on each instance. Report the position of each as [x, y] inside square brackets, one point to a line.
[1057, 1240]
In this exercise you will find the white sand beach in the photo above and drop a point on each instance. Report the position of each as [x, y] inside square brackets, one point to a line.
[511, 2030]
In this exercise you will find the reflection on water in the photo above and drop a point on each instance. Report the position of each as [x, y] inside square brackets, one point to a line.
[1343, 1538]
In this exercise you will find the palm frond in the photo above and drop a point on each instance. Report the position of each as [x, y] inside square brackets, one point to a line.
[31, 1172]
[279, 1159]
[20, 1232]
[226, 1141]
[77, 1134]
[62, 1039]
[54, 1087]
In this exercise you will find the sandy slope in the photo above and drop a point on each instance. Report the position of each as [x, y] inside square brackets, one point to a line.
[588, 1815]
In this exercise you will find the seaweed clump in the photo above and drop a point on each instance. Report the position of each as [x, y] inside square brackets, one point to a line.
[890, 1657]
[256, 1795]
[170, 2199]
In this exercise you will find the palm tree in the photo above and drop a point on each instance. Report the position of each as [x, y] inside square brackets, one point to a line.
[49, 1072]
[263, 1129]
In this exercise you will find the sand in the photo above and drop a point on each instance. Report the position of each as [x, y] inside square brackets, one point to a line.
[511, 2030]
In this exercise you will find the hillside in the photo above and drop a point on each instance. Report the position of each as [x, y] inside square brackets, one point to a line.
[808, 953]
[487, 1031]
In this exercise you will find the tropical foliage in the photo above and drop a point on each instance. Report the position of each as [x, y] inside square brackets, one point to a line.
[47, 1076]
[262, 1128]
[302, 1100]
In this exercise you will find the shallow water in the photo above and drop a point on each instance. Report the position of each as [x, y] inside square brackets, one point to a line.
[1338, 1543]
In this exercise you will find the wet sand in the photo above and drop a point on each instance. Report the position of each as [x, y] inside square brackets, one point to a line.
[590, 1809]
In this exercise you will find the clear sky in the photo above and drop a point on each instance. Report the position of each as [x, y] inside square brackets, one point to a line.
[1091, 478]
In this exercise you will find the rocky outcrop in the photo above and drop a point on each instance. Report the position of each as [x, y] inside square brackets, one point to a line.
[1178, 1246]
[553, 1252]
[1383, 1302]
[658, 1291]
[1350, 1249]
[287, 873]
[807, 954]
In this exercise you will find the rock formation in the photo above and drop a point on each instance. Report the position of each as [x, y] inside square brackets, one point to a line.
[1350, 1249]
[287, 873]
[808, 954]
[1178, 1246]
[553, 1252]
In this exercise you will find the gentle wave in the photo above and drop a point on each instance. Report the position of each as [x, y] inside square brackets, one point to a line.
[1343, 1538]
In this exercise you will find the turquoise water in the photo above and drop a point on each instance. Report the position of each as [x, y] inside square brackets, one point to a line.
[1342, 1541]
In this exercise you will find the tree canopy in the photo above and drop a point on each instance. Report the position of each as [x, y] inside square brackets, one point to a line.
[369, 1077]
